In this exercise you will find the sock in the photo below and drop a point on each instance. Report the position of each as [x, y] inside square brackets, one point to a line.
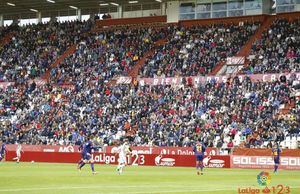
[275, 169]
[92, 167]
[201, 166]
[121, 168]
[81, 165]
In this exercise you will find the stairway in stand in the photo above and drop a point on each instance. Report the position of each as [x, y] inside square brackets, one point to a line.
[245, 50]
[67, 53]
[287, 108]
[135, 70]
[6, 39]
[217, 68]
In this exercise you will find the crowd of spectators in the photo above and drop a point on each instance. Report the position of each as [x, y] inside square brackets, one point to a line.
[77, 101]
[195, 50]
[278, 51]
[107, 53]
[3, 31]
[33, 48]
[231, 113]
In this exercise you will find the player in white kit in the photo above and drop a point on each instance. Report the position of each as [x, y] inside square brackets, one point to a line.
[18, 152]
[123, 151]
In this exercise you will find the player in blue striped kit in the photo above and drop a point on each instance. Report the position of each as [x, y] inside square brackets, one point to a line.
[2, 151]
[82, 155]
[276, 151]
[87, 151]
[199, 150]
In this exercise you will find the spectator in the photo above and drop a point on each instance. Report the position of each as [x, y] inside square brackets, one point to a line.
[34, 48]
[278, 51]
[158, 115]
[192, 51]
[107, 54]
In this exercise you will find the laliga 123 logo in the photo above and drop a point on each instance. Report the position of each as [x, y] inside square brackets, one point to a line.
[263, 178]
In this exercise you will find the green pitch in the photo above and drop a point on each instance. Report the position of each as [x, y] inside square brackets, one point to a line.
[48, 178]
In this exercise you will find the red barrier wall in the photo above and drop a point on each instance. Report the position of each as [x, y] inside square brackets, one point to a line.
[264, 162]
[265, 152]
[140, 159]
[236, 20]
[127, 21]
[196, 80]
[136, 149]
[163, 156]
[163, 19]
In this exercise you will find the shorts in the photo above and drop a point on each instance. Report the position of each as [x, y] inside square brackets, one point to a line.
[277, 160]
[18, 154]
[199, 158]
[1, 156]
[87, 157]
[122, 159]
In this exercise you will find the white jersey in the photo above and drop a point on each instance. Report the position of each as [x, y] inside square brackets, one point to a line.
[19, 149]
[123, 150]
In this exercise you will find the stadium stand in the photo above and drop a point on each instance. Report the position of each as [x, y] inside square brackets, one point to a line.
[33, 48]
[3, 31]
[77, 100]
[278, 49]
[108, 53]
[196, 50]
[241, 112]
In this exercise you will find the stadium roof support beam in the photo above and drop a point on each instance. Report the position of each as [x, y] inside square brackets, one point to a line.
[78, 13]
[120, 11]
[163, 8]
[39, 17]
[173, 11]
[1, 20]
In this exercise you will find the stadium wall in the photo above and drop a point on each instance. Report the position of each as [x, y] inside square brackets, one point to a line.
[126, 21]
[135, 160]
[141, 13]
[162, 156]
[172, 17]
[289, 16]
[176, 80]
[195, 80]
[227, 20]
[109, 149]
[262, 159]
[173, 11]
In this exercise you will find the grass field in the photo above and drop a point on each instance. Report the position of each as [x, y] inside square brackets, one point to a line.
[64, 178]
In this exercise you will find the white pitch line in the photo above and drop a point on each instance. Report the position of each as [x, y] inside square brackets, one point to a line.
[178, 191]
[137, 192]
[92, 187]
[133, 186]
